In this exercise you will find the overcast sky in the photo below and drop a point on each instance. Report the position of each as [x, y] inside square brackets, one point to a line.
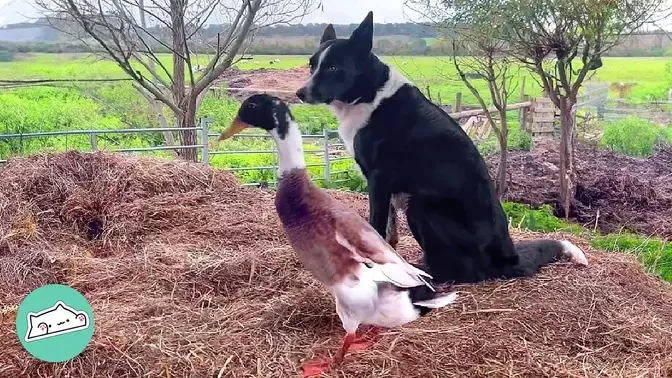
[335, 11]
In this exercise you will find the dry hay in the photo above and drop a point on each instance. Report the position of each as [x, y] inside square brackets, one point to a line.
[207, 287]
[613, 190]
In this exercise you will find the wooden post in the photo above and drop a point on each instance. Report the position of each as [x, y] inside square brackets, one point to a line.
[523, 114]
[458, 102]
[522, 111]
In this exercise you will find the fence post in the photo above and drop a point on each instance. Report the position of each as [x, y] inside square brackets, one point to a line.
[327, 162]
[274, 162]
[205, 153]
[458, 102]
[93, 141]
[523, 114]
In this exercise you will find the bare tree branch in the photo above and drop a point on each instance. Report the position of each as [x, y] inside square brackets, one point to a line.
[132, 32]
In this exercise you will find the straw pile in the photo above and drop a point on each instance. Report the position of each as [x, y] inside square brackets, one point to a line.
[189, 275]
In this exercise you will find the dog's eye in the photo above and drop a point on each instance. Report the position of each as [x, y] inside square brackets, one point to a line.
[332, 69]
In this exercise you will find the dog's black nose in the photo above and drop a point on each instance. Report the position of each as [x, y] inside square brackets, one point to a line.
[301, 93]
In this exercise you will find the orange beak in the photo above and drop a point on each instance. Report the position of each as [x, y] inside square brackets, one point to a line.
[236, 126]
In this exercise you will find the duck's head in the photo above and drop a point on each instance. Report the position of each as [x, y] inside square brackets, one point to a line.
[263, 111]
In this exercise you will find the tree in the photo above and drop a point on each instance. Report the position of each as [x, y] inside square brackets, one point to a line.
[479, 53]
[562, 43]
[130, 32]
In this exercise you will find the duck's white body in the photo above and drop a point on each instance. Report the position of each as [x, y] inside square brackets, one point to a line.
[365, 301]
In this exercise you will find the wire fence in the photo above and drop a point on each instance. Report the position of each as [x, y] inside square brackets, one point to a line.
[328, 145]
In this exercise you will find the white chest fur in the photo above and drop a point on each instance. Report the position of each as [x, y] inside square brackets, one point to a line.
[351, 118]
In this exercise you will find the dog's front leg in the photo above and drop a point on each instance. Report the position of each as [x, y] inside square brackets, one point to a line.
[379, 204]
[392, 234]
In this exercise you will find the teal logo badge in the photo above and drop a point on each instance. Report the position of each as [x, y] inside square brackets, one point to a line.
[54, 323]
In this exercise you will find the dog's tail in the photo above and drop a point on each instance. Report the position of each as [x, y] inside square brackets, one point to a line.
[534, 254]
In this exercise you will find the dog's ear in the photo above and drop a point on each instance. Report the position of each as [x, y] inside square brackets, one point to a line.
[329, 34]
[362, 37]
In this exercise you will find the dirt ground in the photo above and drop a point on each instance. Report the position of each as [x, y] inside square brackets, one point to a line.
[266, 79]
[190, 275]
[273, 80]
[614, 191]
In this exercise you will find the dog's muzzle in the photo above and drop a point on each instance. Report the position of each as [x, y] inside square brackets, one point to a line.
[302, 94]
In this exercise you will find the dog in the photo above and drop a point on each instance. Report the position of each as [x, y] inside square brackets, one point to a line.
[417, 159]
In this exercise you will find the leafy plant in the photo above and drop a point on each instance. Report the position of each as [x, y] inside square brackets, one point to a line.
[634, 137]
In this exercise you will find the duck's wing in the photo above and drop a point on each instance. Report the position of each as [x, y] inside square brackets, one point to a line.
[368, 247]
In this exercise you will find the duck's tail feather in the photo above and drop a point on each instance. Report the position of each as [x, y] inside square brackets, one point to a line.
[438, 301]
[426, 299]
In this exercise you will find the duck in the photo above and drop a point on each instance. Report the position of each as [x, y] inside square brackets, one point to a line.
[372, 285]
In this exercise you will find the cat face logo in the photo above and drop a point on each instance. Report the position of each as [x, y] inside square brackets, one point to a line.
[56, 320]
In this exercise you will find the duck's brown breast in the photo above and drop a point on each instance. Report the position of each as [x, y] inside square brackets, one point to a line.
[306, 215]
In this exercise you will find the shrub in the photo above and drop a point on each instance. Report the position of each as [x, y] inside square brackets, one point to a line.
[517, 140]
[634, 137]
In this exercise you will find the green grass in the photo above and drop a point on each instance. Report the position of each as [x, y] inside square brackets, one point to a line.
[654, 253]
[436, 72]
[634, 137]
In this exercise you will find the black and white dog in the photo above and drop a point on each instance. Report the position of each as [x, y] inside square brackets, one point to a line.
[417, 159]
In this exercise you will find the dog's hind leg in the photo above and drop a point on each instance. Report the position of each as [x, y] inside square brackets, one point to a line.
[391, 232]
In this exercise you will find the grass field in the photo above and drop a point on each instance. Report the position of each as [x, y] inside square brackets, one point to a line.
[437, 72]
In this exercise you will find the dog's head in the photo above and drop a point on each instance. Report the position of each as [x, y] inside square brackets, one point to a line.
[338, 64]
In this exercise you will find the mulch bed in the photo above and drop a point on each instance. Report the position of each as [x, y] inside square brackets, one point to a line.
[615, 192]
[190, 275]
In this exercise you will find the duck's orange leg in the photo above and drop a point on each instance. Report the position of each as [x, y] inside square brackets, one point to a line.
[316, 367]
[321, 364]
[351, 341]
[348, 340]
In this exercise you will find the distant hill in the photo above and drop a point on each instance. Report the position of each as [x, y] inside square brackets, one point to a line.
[390, 39]
[46, 33]
[29, 34]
